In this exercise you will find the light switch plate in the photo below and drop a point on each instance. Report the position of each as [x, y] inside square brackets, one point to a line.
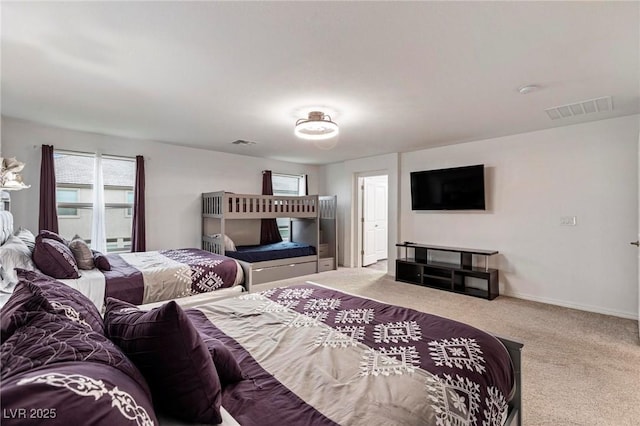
[568, 220]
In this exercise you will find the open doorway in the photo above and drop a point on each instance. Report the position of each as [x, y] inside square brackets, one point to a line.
[374, 227]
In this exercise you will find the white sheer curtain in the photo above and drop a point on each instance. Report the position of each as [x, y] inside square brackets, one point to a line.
[302, 185]
[98, 232]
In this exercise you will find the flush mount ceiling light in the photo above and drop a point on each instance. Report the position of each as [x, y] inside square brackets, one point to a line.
[528, 89]
[317, 127]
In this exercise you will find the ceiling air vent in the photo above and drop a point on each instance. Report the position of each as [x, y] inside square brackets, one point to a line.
[243, 142]
[590, 106]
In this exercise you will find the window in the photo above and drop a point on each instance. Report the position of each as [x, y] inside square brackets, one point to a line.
[67, 197]
[75, 193]
[129, 200]
[286, 185]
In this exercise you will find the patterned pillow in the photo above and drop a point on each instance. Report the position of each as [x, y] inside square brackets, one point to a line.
[52, 236]
[14, 254]
[167, 348]
[69, 301]
[101, 261]
[82, 253]
[55, 259]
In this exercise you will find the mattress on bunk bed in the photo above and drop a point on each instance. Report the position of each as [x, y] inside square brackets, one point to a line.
[262, 253]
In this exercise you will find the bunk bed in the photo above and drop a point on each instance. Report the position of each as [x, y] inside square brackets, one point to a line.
[230, 227]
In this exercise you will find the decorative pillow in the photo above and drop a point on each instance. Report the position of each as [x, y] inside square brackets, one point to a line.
[82, 253]
[55, 259]
[228, 369]
[229, 245]
[27, 237]
[14, 254]
[52, 236]
[73, 304]
[26, 298]
[101, 261]
[77, 393]
[169, 352]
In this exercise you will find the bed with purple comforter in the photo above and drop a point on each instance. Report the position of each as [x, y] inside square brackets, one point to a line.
[314, 355]
[300, 355]
[151, 276]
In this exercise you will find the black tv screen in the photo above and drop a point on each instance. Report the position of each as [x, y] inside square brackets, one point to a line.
[459, 188]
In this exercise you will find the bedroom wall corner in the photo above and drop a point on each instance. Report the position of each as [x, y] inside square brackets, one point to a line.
[341, 179]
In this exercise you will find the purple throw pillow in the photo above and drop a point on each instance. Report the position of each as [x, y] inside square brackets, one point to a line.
[77, 393]
[52, 236]
[171, 355]
[25, 299]
[69, 301]
[55, 259]
[227, 367]
[101, 261]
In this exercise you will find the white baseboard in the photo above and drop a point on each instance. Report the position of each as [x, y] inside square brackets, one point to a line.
[588, 308]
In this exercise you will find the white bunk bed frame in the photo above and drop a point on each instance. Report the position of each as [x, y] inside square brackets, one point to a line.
[305, 213]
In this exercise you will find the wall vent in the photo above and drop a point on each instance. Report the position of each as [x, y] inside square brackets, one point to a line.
[243, 142]
[604, 104]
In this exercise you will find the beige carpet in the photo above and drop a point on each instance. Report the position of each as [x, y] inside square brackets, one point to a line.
[579, 368]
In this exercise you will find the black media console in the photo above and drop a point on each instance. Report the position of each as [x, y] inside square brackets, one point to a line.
[421, 270]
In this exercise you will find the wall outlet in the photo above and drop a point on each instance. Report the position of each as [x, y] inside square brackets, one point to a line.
[568, 220]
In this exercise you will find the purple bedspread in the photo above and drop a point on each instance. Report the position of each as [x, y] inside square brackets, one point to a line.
[123, 281]
[137, 277]
[319, 356]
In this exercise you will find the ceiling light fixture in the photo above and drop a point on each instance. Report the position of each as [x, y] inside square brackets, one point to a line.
[317, 127]
[528, 89]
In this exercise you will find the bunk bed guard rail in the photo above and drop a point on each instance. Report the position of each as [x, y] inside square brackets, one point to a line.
[250, 206]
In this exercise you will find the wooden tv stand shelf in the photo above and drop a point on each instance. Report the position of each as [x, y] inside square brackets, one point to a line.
[421, 270]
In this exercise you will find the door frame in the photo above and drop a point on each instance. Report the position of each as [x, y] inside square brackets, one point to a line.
[359, 182]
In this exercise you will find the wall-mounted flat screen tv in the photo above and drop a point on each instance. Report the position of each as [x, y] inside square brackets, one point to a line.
[459, 188]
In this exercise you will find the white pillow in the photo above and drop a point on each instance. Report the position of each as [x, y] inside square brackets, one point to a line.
[27, 237]
[6, 225]
[14, 254]
[228, 242]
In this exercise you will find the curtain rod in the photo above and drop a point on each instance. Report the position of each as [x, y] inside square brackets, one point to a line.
[66, 151]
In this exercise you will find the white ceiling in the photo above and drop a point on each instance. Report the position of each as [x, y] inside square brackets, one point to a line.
[394, 76]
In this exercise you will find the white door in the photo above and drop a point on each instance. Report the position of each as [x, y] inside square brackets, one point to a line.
[637, 242]
[374, 232]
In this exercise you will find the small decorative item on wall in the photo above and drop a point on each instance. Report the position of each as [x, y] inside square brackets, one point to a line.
[10, 180]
